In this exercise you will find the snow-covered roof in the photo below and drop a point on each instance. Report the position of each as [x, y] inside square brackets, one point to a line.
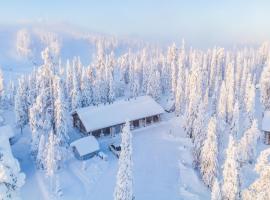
[6, 131]
[101, 116]
[86, 145]
[266, 121]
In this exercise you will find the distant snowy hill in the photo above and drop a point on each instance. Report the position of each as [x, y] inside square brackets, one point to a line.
[21, 45]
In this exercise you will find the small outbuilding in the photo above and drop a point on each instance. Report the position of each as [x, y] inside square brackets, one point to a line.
[85, 148]
[109, 118]
[266, 126]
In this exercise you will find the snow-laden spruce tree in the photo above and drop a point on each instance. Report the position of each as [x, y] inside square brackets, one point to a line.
[52, 156]
[248, 143]
[209, 153]
[231, 179]
[87, 89]
[222, 106]
[199, 134]
[111, 93]
[180, 86]
[124, 180]
[229, 80]
[60, 113]
[153, 87]
[11, 179]
[179, 97]
[39, 120]
[249, 103]
[265, 86]
[194, 98]
[216, 191]
[172, 57]
[259, 189]
[76, 97]
[68, 83]
[234, 125]
[110, 78]
[23, 43]
[21, 106]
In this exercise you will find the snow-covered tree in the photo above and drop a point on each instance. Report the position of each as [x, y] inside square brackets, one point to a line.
[21, 105]
[265, 86]
[61, 113]
[76, 100]
[231, 179]
[209, 162]
[216, 191]
[259, 189]
[153, 87]
[222, 103]
[39, 122]
[250, 103]
[248, 143]
[11, 179]
[199, 130]
[52, 158]
[234, 126]
[124, 180]
[23, 43]
[229, 80]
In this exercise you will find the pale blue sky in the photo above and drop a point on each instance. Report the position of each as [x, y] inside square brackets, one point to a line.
[202, 22]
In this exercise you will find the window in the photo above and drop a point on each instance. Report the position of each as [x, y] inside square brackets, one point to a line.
[148, 120]
[106, 131]
[156, 118]
[96, 133]
[136, 123]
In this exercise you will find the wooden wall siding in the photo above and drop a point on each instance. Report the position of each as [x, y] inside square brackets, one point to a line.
[267, 137]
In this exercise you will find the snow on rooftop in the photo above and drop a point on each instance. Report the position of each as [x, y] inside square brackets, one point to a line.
[6, 131]
[266, 121]
[101, 116]
[86, 145]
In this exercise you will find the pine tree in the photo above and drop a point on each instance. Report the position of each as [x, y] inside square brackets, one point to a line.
[231, 179]
[234, 127]
[87, 88]
[52, 158]
[61, 113]
[216, 192]
[76, 100]
[21, 106]
[265, 86]
[230, 91]
[259, 189]
[199, 134]
[124, 181]
[209, 162]
[248, 143]
[222, 103]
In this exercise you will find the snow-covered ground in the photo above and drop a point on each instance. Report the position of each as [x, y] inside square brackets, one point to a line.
[162, 168]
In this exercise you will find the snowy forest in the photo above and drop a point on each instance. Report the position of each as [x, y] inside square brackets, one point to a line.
[220, 94]
[134, 100]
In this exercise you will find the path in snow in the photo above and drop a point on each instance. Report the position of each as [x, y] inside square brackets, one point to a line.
[33, 188]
